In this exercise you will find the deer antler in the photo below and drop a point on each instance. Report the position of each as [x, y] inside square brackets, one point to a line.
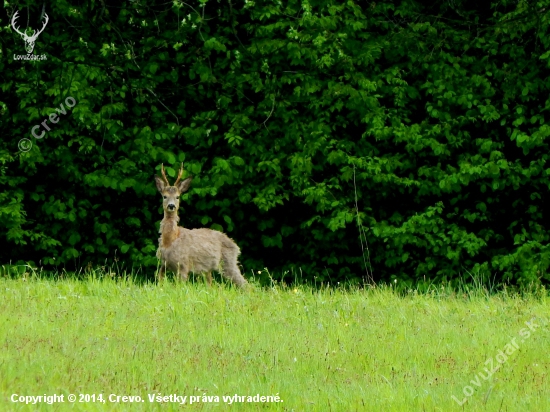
[15, 16]
[34, 32]
[35, 35]
[166, 179]
[179, 175]
[164, 175]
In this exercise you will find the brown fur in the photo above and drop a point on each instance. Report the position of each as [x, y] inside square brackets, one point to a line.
[198, 250]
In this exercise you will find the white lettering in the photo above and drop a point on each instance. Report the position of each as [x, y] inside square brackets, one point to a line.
[62, 109]
[34, 133]
[53, 118]
[67, 102]
[468, 389]
[477, 382]
[457, 401]
[532, 325]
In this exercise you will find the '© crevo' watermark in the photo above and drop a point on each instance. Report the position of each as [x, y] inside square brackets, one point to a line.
[25, 144]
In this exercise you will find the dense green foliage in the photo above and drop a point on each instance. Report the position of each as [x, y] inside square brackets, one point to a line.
[313, 129]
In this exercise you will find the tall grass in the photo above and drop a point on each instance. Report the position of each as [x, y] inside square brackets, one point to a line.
[339, 349]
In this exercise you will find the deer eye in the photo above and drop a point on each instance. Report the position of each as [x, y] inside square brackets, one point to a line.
[164, 197]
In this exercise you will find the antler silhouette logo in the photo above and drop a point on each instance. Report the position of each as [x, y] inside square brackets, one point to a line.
[29, 40]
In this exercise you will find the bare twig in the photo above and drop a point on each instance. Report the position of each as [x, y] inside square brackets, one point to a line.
[270, 113]
[233, 26]
[362, 234]
[188, 5]
[160, 101]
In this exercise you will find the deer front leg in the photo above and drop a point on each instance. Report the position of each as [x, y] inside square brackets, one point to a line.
[182, 272]
[161, 272]
[208, 277]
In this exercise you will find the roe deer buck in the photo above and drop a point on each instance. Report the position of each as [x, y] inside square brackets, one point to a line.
[198, 250]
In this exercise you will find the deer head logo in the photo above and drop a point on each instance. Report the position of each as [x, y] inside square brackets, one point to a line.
[29, 40]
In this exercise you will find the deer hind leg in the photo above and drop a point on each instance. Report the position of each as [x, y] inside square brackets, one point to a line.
[230, 270]
[208, 278]
[161, 272]
[228, 262]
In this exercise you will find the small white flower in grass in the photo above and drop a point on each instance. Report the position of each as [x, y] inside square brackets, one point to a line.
[295, 360]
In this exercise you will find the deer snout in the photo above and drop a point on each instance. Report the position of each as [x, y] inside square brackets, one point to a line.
[171, 207]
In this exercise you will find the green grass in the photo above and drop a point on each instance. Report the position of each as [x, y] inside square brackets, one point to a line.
[318, 350]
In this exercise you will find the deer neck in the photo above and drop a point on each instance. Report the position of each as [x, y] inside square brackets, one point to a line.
[169, 229]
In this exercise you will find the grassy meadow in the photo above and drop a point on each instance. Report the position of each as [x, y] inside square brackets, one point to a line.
[327, 349]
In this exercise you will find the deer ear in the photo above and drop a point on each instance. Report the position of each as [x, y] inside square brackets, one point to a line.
[160, 184]
[183, 186]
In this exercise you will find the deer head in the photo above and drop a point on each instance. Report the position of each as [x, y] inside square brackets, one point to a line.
[29, 40]
[171, 194]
